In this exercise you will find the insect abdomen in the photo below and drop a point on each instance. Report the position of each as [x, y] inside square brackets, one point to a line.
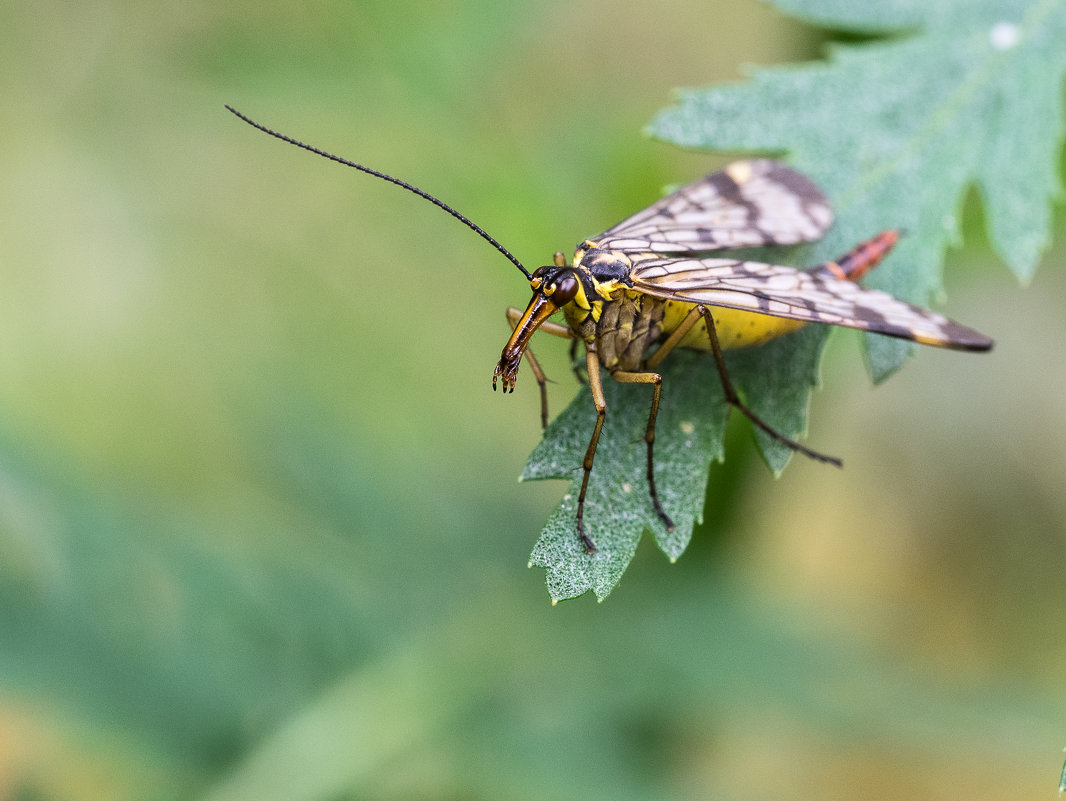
[736, 329]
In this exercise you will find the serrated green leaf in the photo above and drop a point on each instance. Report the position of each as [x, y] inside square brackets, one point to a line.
[617, 508]
[895, 131]
[689, 435]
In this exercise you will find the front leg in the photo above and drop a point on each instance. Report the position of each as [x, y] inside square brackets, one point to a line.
[592, 359]
[598, 398]
[656, 381]
[575, 363]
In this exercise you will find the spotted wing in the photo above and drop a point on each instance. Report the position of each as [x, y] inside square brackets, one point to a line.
[815, 296]
[748, 204]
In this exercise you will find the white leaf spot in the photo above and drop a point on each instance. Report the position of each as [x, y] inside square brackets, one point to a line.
[1004, 35]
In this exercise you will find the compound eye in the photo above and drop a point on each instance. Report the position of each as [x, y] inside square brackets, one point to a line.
[538, 277]
[565, 289]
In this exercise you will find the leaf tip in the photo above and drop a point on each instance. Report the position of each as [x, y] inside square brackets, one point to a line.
[1062, 779]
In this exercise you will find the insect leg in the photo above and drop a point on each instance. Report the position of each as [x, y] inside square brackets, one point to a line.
[556, 329]
[733, 398]
[671, 341]
[575, 363]
[655, 379]
[595, 384]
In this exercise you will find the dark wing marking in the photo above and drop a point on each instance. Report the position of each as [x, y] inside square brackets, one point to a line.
[748, 204]
[815, 296]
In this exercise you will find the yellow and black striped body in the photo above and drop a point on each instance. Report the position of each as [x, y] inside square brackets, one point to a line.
[630, 323]
[625, 323]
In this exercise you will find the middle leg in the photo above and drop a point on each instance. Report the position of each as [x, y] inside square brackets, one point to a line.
[600, 401]
[656, 381]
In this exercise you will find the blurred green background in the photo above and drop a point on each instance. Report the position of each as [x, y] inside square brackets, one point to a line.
[260, 535]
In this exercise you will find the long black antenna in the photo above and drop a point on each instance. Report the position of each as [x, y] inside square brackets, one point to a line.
[439, 203]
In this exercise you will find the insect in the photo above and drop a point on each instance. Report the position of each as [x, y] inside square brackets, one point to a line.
[648, 285]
